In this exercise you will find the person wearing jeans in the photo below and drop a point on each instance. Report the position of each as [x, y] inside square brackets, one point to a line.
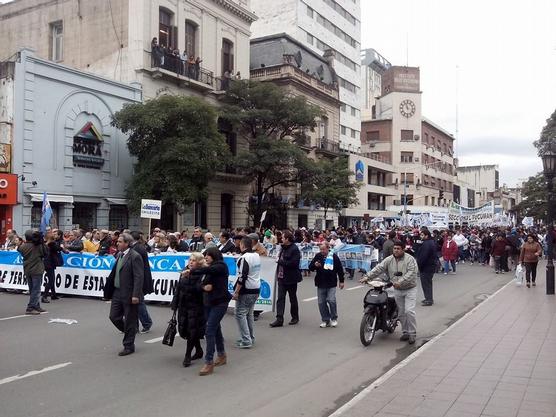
[33, 252]
[329, 271]
[449, 253]
[246, 291]
[215, 298]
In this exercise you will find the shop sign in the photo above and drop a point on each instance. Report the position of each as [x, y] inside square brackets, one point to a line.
[8, 189]
[87, 148]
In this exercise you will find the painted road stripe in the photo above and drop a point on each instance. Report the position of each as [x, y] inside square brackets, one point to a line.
[17, 317]
[311, 299]
[155, 340]
[343, 410]
[354, 288]
[32, 373]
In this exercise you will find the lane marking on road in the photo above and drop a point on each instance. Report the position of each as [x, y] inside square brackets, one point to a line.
[310, 299]
[32, 373]
[155, 340]
[354, 288]
[385, 377]
[14, 317]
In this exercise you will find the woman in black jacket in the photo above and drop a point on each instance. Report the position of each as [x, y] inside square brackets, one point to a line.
[216, 299]
[188, 301]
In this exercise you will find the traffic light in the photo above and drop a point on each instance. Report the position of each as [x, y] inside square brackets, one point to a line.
[440, 194]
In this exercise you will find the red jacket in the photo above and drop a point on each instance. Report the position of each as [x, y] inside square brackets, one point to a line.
[498, 247]
[450, 250]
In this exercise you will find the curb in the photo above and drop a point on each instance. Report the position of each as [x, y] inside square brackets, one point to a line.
[383, 378]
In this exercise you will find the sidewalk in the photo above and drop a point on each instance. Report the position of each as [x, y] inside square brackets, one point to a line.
[499, 360]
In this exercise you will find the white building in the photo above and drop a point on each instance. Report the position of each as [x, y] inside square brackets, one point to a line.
[373, 66]
[322, 25]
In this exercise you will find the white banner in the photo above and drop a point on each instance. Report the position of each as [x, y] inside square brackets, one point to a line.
[85, 274]
[479, 216]
[151, 209]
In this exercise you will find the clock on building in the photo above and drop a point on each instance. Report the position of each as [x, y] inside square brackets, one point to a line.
[407, 108]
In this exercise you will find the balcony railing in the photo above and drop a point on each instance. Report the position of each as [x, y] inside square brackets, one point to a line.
[328, 146]
[173, 66]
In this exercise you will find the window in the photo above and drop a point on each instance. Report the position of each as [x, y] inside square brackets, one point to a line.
[407, 135]
[227, 56]
[373, 135]
[190, 38]
[353, 111]
[353, 133]
[310, 39]
[117, 217]
[57, 41]
[85, 215]
[347, 85]
[432, 201]
[406, 157]
[343, 130]
[336, 30]
[167, 34]
[310, 12]
[409, 199]
[410, 178]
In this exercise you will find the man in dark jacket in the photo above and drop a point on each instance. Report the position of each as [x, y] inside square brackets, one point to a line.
[124, 287]
[329, 270]
[105, 243]
[75, 244]
[139, 246]
[426, 260]
[52, 260]
[33, 252]
[288, 275]
[225, 244]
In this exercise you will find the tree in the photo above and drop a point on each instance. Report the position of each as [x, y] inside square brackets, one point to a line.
[270, 122]
[548, 135]
[534, 197]
[178, 149]
[332, 187]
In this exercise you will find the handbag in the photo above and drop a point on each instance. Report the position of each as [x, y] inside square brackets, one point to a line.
[170, 333]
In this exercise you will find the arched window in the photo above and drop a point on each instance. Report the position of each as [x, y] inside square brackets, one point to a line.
[191, 38]
[227, 56]
[167, 34]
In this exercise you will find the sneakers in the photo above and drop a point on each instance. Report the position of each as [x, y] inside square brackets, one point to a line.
[334, 323]
[145, 330]
[534, 284]
[244, 345]
[31, 312]
[445, 273]
[293, 322]
[45, 300]
[404, 338]
[41, 310]
[324, 324]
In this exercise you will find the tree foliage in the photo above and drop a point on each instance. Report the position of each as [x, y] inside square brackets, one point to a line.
[178, 149]
[534, 197]
[332, 187]
[269, 120]
[548, 136]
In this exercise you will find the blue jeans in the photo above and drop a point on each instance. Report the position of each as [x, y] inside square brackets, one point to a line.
[34, 282]
[327, 303]
[245, 305]
[144, 316]
[213, 334]
[447, 266]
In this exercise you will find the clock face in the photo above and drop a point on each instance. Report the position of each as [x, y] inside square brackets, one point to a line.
[407, 108]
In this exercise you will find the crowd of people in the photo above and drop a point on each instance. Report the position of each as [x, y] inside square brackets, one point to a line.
[202, 296]
[171, 59]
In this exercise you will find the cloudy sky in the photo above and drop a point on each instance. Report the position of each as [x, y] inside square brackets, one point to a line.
[505, 52]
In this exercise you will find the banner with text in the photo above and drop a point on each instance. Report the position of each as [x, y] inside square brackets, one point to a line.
[85, 274]
[480, 216]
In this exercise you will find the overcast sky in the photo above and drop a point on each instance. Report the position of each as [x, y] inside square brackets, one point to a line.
[506, 54]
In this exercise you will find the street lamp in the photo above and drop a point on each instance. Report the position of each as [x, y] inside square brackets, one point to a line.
[549, 168]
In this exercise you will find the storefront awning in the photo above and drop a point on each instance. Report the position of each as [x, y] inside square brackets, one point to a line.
[116, 201]
[53, 198]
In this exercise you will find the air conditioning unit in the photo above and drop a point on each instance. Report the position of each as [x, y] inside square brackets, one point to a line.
[416, 137]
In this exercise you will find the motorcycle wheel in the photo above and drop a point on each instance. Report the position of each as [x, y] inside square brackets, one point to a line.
[367, 329]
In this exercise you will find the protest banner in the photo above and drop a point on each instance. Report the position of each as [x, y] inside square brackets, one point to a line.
[480, 216]
[85, 274]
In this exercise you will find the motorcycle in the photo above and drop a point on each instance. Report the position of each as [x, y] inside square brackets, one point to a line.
[381, 312]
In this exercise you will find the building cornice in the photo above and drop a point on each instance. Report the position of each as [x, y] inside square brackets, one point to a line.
[236, 9]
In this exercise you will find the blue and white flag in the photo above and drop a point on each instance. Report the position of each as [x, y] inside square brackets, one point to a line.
[46, 213]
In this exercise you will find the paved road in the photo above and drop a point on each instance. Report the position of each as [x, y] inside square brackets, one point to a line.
[295, 370]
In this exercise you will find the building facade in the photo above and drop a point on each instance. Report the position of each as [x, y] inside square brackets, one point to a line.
[114, 39]
[299, 71]
[373, 66]
[57, 125]
[421, 152]
[322, 25]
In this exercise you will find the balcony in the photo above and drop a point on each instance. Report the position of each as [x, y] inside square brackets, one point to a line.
[171, 68]
[328, 147]
[290, 72]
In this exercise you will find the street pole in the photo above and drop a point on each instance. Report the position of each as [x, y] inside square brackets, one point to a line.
[405, 199]
[550, 240]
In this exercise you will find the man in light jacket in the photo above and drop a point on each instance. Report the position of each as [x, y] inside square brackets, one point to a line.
[401, 269]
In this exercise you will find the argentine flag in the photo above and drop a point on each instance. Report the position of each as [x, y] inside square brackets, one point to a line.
[46, 213]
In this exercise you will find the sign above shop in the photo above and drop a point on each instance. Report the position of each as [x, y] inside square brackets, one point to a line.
[8, 189]
[87, 148]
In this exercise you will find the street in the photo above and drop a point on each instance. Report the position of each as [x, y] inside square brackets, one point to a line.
[294, 371]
